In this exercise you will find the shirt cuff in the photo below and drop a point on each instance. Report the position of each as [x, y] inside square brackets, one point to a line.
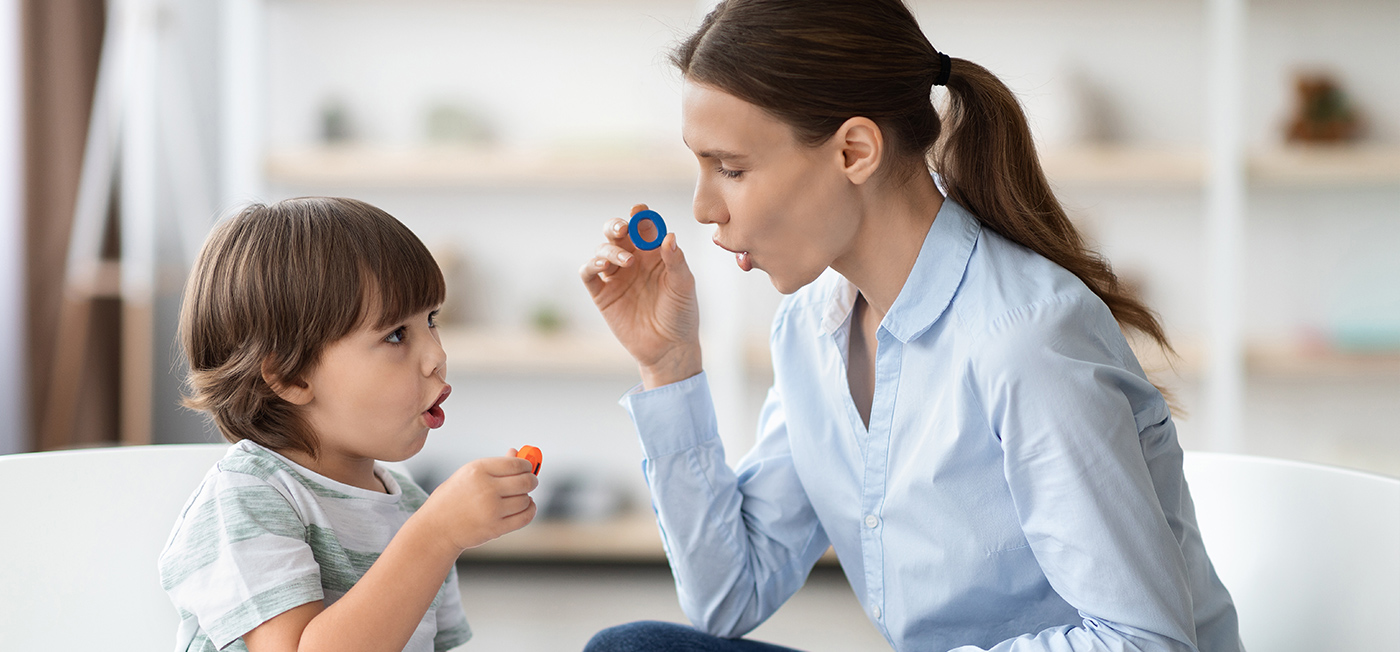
[672, 418]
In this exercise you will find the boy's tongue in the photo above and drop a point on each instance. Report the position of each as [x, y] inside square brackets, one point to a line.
[435, 416]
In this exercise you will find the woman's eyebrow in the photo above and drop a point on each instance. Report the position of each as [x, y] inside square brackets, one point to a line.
[717, 153]
[720, 154]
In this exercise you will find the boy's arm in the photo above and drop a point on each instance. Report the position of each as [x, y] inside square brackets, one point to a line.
[480, 502]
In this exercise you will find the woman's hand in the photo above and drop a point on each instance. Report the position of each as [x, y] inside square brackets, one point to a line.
[648, 300]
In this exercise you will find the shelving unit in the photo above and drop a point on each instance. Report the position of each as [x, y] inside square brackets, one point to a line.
[1111, 166]
[1220, 169]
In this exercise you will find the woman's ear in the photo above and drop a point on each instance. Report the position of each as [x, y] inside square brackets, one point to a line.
[296, 393]
[862, 145]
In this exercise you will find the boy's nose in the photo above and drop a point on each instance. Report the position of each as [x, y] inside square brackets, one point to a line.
[435, 361]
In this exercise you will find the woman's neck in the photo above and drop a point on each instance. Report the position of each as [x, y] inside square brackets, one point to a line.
[894, 220]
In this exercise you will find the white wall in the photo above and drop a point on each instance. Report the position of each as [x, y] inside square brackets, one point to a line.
[13, 394]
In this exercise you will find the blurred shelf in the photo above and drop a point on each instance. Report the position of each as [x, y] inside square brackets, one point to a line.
[632, 538]
[1124, 166]
[1315, 166]
[499, 352]
[460, 167]
[1328, 166]
[1278, 361]
[1312, 166]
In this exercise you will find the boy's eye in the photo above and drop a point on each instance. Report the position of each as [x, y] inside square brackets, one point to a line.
[432, 319]
[396, 337]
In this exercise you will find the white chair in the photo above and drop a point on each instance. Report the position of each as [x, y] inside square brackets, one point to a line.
[81, 534]
[1310, 553]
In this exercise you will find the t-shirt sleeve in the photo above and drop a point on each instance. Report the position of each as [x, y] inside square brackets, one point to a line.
[452, 628]
[238, 556]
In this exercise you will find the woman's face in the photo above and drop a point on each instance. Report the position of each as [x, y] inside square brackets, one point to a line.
[779, 205]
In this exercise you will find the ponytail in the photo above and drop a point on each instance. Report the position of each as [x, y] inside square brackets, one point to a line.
[988, 164]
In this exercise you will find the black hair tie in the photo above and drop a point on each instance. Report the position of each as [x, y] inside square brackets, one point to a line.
[945, 69]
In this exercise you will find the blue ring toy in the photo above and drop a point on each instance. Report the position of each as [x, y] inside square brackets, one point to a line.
[632, 230]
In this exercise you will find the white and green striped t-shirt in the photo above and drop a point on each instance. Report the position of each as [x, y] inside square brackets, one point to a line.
[262, 535]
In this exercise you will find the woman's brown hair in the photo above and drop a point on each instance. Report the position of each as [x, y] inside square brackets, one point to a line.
[273, 286]
[816, 63]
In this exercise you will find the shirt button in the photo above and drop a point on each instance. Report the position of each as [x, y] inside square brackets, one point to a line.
[875, 611]
[872, 522]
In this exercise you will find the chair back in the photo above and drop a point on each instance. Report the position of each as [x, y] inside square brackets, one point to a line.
[1310, 553]
[81, 534]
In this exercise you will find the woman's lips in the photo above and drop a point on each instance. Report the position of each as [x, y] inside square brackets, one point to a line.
[434, 416]
[740, 257]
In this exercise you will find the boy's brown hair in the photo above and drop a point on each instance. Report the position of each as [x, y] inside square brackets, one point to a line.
[273, 286]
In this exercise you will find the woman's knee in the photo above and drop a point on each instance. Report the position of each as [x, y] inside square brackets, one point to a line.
[640, 636]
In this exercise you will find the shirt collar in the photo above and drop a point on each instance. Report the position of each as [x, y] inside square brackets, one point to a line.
[931, 284]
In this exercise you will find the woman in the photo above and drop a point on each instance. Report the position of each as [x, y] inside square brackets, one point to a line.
[954, 409]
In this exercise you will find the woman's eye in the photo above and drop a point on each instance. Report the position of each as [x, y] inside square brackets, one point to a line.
[396, 337]
[729, 174]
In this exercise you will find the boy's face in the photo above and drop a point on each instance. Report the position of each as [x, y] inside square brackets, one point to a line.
[376, 392]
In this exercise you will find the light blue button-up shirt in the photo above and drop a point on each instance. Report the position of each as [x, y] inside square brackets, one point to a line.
[1019, 486]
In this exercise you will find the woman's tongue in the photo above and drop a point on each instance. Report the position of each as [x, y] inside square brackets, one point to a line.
[743, 259]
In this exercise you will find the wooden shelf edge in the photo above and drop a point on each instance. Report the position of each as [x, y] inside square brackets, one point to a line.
[500, 352]
[632, 538]
[1090, 165]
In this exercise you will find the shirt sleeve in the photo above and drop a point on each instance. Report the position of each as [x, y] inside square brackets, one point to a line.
[740, 544]
[452, 627]
[1069, 403]
[238, 557]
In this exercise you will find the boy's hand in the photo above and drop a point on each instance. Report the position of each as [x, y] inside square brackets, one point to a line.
[483, 500]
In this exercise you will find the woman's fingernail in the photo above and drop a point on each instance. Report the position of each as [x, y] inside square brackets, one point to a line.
[599, 263]
[624, 257]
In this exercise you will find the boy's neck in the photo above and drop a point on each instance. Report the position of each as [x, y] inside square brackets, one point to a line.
[354, 471]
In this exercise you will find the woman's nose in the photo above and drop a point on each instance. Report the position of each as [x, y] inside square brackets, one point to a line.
[708, 207]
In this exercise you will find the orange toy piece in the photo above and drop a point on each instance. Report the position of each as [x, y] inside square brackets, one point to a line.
[533, 455]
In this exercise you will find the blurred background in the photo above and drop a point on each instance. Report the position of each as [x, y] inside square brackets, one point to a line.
[1238, 162]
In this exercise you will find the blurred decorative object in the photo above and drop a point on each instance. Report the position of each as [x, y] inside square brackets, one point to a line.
[336, 125]
[450, 123]
[547, 318]
[1078, 111]
[583, 497]
[460, 307]
[1323, 113]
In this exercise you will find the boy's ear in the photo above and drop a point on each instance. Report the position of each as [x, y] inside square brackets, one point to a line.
[296, 393]
[862, 145]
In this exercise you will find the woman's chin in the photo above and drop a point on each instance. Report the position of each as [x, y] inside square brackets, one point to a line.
[787, 284]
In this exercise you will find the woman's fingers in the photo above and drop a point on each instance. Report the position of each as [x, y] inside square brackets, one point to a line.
[614, 254]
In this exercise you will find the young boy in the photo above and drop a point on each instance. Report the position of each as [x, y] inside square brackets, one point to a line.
[309, 329]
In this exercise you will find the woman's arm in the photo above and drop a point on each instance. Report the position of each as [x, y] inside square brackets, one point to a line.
[739, 544]
[1094, 471]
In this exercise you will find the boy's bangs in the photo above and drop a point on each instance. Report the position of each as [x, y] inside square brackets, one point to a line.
[403, 279]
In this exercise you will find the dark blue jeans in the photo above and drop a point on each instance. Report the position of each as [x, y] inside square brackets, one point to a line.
[652, 636]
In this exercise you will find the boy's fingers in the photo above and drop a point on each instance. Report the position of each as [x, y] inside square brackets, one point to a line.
[515, 504]
[502, 467]
[517, 485]
[521, 518]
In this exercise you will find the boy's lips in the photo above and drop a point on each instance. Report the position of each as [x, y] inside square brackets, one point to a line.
[434, 416]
